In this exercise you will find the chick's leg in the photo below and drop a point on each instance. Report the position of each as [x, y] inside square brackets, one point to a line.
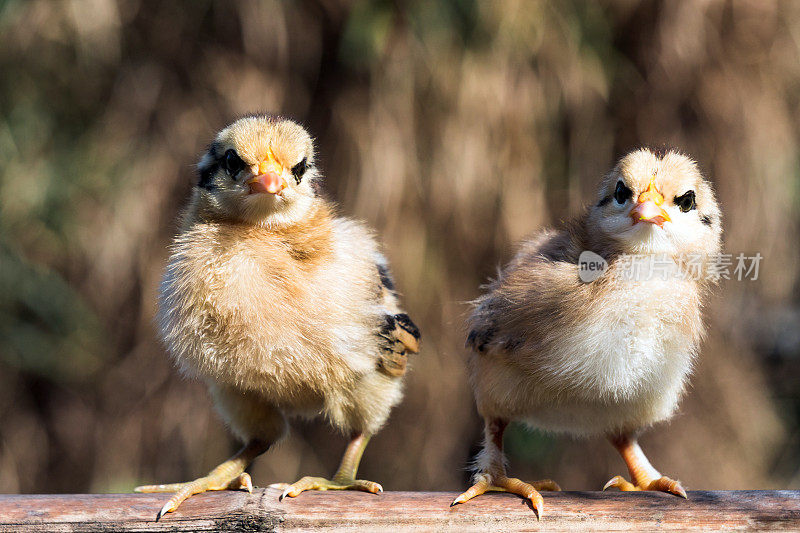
[643, 475]
[345, 477]
[228, 475]
[492, 476]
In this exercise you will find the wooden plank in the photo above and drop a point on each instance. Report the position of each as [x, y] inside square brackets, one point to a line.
[405, 511]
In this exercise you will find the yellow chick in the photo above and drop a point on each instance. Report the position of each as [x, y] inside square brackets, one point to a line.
[280, 306]
[605, 357]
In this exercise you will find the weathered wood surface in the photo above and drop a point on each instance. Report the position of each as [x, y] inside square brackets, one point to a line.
[405, 511]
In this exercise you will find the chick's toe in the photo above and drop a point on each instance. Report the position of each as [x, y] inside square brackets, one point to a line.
[344, 479]
[320, 483]
[530, 491]
[661, 484]
[230, 475]
[643, 475]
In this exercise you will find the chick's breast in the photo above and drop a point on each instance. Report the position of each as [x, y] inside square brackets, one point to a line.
[582, 357]
[294, 320]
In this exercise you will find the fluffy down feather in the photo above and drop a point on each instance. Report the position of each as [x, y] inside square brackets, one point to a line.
[607, 356]
[280, 308]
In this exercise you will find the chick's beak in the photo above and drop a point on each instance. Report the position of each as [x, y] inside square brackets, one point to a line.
[269, 182]
[648, 207]
[268, 176]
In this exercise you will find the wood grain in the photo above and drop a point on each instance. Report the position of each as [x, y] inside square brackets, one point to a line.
[405, 511]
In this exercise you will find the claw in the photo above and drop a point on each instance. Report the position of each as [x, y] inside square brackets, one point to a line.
[480, 487]
[538, 508]
[461, 498]
[245, 482]
[616, 481]
[537, 502]
[371, 486]
[666, 484]
[164, 510]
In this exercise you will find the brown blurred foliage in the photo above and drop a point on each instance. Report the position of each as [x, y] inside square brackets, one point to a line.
[454, 128]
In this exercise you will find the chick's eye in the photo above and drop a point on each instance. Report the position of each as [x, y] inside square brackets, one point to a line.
[233, 163]
[299, 169]
[686, 202]
[622, 193]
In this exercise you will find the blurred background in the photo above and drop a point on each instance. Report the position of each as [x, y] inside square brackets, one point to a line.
[455, 128]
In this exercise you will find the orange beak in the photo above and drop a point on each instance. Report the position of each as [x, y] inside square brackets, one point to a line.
[648, 207]
[268, 176]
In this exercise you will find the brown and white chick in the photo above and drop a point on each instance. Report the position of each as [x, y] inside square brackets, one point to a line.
[609, 357]
[280, 306]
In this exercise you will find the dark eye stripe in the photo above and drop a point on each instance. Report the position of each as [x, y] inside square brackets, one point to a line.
[208, 167]
[207, 175]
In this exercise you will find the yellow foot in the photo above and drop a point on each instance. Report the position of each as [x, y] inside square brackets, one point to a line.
[320, 483]
[184, 490]
[529, 491]
[663, 484]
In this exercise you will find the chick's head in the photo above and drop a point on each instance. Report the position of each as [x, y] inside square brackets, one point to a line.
[259, 170]
[651, 204]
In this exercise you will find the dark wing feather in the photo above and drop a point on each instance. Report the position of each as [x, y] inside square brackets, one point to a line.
[398, 333]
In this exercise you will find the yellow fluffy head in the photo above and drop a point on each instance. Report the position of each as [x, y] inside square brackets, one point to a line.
[657, 203]
[258, 170]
